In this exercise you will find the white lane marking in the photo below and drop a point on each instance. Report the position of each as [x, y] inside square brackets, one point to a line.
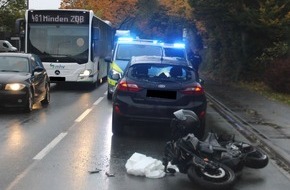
[81, 117]
[53, 143]
[98, 101]
[50, 146]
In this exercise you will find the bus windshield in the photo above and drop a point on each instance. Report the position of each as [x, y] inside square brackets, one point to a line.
[59, 42]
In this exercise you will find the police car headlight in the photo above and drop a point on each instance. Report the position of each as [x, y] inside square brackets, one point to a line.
[86, 73]
[14, 86]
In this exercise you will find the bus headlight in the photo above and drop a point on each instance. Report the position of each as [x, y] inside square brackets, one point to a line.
[14, 86]
[86, 73]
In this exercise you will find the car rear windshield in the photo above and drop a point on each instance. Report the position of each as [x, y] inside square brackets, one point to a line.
[126, 51]
[161, 72]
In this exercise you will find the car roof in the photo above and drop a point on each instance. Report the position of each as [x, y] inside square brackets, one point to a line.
[158, 60]
[10, 54]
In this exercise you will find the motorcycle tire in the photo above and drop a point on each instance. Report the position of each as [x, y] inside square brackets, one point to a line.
[224, 179]
[257, 159]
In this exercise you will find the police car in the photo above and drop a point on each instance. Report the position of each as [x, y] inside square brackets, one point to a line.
[124, 49]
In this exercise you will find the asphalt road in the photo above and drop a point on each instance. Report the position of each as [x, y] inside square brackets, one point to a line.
[56, 147]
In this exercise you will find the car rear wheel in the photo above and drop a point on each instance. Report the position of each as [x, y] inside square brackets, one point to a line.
[117, 125]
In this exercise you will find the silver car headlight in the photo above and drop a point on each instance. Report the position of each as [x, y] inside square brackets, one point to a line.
[14, 86]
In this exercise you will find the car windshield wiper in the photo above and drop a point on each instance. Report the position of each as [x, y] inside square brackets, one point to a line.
[5, 70]
[68, 58]
[45, 56]
[123, 59]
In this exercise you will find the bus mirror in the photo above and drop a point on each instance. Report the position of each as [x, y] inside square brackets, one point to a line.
[96, 34]
[19, 26]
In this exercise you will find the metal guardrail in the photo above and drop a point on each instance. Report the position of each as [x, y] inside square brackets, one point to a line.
[253, 135]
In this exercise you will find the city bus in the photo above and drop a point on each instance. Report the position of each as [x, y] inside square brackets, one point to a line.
[72, 44]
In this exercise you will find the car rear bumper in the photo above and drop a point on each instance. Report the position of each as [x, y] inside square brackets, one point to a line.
[154, 113]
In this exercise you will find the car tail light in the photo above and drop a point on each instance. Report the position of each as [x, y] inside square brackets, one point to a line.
[202, 114]
[196, 89]
[117, 109]
[124, 85]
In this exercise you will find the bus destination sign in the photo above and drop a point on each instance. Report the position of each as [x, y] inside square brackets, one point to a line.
[55, 17]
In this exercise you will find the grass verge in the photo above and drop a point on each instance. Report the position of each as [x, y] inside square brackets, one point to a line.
[264, 90]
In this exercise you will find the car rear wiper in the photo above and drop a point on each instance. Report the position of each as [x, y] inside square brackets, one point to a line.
[158, 79]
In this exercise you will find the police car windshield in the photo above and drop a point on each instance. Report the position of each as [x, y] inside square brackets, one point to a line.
[175, 52]
[126, 51]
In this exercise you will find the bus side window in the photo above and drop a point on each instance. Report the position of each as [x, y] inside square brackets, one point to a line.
[96, 33]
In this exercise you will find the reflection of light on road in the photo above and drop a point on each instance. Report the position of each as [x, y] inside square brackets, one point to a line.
[85, 99]
[108, 136]
[107, 145]
[92, 147]
[37, 106]
[15, 139]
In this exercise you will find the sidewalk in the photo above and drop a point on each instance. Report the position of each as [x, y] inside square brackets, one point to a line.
[269, 117]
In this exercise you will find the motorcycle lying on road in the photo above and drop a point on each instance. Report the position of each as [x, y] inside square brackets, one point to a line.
[213, 163]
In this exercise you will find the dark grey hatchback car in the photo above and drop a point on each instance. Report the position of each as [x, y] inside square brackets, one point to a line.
[23, 81]
[154, 87]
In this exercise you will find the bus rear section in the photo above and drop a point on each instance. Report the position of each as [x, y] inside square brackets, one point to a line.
[69, 43]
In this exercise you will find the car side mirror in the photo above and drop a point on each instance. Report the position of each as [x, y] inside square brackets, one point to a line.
[38, 69]
[108, 59]
[201, 81]
[116, 76]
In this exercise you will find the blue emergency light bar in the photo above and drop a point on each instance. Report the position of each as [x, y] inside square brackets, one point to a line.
[179, 45]
[125, 39]
[130, 39]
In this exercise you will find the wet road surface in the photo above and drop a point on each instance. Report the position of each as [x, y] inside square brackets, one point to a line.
[56, 148]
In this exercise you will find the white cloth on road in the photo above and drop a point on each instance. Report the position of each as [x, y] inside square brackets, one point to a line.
[142, 165]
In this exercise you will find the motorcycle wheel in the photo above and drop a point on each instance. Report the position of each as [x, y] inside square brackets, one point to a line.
[257, 159]
[224, 178]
